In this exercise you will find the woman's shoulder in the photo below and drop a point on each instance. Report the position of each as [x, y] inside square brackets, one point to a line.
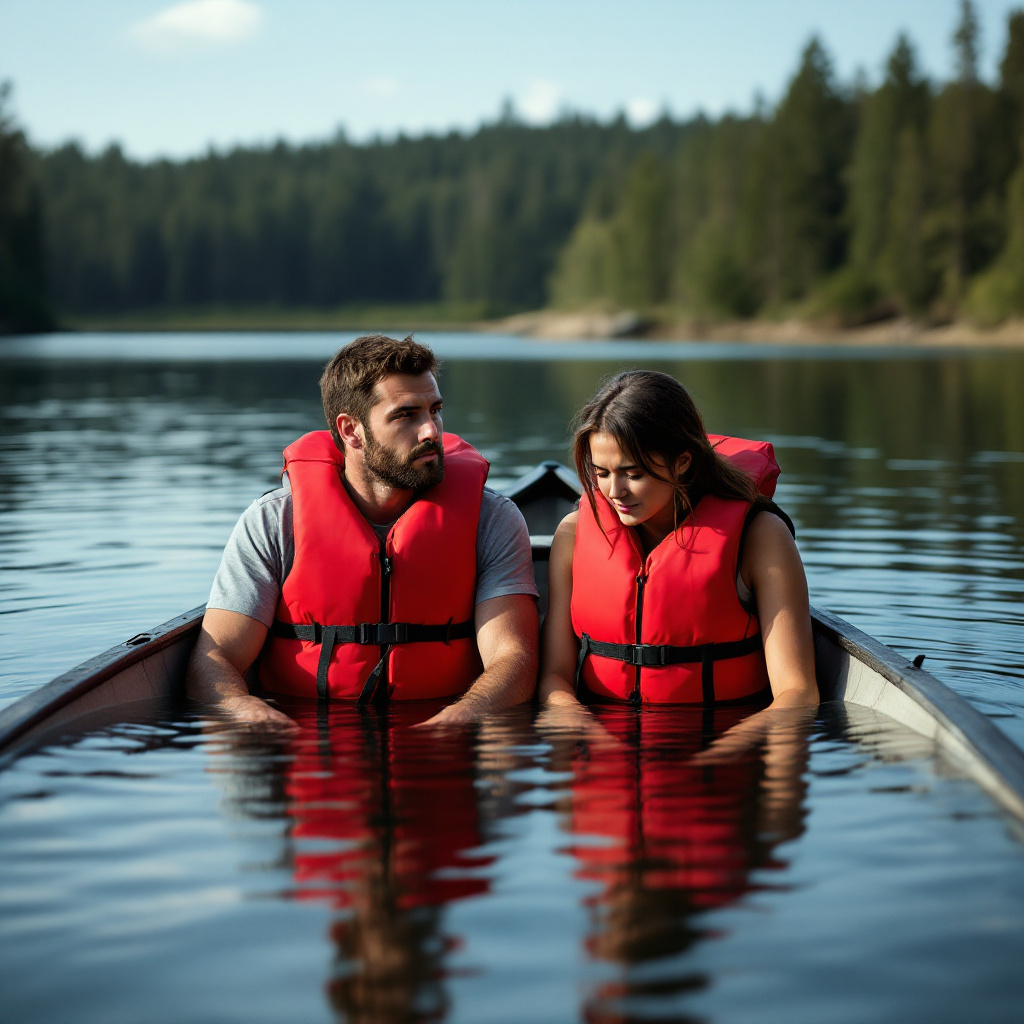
[563, 548]
[768, 531]
[564, 538]
[770, 517]
[566, 529]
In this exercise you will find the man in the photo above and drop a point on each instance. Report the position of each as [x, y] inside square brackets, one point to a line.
[383, 569]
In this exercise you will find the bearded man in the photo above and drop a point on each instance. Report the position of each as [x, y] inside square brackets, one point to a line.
[382, 569]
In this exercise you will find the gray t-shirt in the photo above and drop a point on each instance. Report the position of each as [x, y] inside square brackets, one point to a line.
[260, 551]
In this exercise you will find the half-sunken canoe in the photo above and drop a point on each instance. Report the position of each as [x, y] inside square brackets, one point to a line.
[851, 666]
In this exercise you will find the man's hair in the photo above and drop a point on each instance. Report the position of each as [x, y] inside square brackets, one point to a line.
[348, 382]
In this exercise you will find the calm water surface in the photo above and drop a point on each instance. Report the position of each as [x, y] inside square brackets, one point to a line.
[172, 868]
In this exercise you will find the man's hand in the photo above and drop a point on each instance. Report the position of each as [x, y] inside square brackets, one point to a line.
[251, 710]
[506, 636]
[228, 644]
[455, 714]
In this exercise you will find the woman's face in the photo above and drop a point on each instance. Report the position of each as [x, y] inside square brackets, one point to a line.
[638, 498]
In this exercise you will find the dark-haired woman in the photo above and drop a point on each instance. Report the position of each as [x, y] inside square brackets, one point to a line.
[678, 580]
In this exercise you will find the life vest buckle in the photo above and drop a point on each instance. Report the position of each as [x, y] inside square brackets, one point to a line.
[383, 633]
[646, 654]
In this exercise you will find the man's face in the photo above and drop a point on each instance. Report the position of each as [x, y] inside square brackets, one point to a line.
[402, 435]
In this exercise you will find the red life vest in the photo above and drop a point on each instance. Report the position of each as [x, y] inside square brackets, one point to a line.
[669, 627]
[363, 620]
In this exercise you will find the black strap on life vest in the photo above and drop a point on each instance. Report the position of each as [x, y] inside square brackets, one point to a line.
[380, 634]
[647, 655]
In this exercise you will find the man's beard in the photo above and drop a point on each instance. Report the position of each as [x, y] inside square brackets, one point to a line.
[385, 464]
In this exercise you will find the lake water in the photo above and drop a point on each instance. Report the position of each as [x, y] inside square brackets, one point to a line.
[169, 869]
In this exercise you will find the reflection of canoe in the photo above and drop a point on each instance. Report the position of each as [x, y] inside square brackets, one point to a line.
[852, 667]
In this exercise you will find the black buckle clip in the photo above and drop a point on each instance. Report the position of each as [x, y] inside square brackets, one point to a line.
[638, 654]
[384, 633]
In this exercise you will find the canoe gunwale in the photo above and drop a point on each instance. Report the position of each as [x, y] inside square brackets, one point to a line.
[34, 708]
[990, 757]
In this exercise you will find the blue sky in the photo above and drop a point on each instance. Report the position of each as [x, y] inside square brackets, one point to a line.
[174, 78]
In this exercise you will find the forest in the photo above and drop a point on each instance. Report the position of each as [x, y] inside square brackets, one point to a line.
[842, 203]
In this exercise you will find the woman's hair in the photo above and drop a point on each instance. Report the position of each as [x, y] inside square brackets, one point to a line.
[652, 418]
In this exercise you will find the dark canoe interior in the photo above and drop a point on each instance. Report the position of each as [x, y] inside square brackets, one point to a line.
[852, 667]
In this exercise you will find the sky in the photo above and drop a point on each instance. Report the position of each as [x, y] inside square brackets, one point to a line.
[175, 79]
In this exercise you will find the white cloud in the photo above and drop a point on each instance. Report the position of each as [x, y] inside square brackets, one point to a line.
[541, 102]
[382, 87]
[641, 111]
[198, 23]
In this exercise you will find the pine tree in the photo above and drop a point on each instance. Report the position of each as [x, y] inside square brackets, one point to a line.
[900, 104]
[960, 124]
[999, 292]
[643, 238]
[583, 275]
[1009, 129]
[710, 278]
[904, 269]
[23, 291]
[793, 234]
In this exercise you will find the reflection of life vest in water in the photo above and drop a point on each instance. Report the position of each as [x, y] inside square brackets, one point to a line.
[669, 627]
[361, 619]
[396, 806]
[673, 825]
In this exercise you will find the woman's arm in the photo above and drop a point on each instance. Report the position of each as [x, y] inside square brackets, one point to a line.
[773, 571]
[559, 646]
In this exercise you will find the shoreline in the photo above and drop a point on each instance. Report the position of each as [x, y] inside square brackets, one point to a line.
[554, 325]
[593, 326]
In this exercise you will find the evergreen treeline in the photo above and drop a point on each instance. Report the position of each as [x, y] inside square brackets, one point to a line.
[854, 204]
[840, 202]
[474, 220]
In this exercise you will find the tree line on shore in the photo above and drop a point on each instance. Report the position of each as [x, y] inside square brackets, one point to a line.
[843, 203]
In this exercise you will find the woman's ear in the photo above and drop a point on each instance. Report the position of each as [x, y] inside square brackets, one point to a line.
[683, 464]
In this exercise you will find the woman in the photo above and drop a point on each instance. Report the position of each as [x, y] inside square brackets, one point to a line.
[677, 581]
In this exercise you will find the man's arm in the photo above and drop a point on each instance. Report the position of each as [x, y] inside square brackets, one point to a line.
[506, 636]
[505, 615]
[243, 598]
[228, 644]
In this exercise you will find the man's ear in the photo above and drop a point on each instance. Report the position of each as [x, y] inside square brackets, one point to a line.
[351, 431]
